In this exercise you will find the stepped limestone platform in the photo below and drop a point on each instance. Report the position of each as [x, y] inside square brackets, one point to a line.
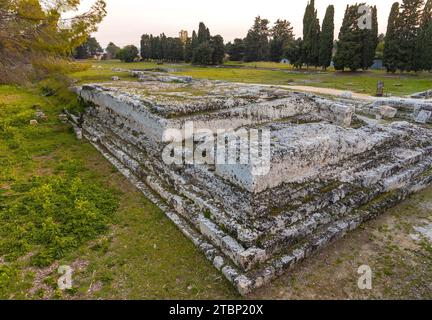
[330, 165]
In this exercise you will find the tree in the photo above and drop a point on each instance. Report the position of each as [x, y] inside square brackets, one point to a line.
[327, 38]
[218, 47]
[349, 47]
[257, 41]
[88, 49]
[33, 34]
[188, 53]
[370, 41]
[423, 52]
[112, 51]
[294, 53]
[391, 46]
[282, 36]
[206, 49]
[128, 53]
[203, 54]
[408, 30]
[311, 34]
[203, 33]
[236, 50]
[356, 47]
[146, 47]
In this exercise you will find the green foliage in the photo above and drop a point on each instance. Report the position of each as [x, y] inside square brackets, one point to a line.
[88, 49]
[128, 53]
[356, 47]
[33, 32]
[423, 56]
[203, 54]
[327, 38]
[112, 51]
[52, 217]
[311, 35]
[257, 41]
[218, 54]
[282, 37]
[236, 49]
[162, 48]
[391, 47]
[207, 50]
[408, 29]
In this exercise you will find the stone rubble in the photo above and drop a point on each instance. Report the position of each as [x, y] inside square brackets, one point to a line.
[330, 168]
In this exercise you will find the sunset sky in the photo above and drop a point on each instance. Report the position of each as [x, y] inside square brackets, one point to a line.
[127, 20]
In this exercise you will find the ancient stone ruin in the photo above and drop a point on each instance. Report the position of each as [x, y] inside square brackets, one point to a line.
[333, 165]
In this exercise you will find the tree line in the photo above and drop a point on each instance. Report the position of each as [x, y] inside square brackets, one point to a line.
[408, 42]
[202, 48]
[406, 46]
[265, 43]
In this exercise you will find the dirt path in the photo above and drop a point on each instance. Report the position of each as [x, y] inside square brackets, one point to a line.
[318, 90]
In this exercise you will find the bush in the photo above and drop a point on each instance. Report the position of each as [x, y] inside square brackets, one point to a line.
[128, 53]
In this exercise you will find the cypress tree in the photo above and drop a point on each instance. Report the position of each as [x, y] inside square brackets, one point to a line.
[391, 45]
[370, 41]
[349, 52]
[408, 31]
[327, 38]
[145, 47]
[203, 33]
[311, 34]
[423, 52]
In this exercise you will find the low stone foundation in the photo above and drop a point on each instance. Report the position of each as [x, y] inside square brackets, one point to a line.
[329, 171]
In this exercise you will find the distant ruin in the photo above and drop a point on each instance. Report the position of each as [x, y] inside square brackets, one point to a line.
[333, 165]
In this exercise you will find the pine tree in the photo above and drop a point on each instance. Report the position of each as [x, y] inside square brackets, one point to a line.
[282, 36]
[257, 41]
[408, 30]
[327, 38]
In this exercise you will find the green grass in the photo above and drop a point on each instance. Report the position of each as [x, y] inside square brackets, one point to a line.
[62, 203]
[123, 247]
[277, 74]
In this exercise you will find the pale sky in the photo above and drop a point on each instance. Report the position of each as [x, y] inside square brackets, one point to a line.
[127, 20]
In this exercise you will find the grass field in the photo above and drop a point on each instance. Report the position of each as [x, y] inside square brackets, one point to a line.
[123, 247]
[138, 252]
[279, 74]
